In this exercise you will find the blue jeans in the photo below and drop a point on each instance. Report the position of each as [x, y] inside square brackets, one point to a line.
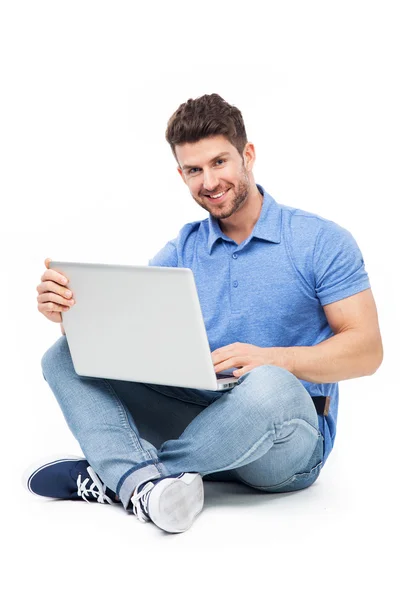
[263, 432]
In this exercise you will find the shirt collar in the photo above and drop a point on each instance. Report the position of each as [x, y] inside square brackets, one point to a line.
[268, 226]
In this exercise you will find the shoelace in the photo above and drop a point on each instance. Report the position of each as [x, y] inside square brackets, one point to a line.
[139, 501]
[97, 489]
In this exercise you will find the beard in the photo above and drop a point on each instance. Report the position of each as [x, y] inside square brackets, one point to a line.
[228, 208]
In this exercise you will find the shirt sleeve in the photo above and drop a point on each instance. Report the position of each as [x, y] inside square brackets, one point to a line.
[166, 257]
[339, 268]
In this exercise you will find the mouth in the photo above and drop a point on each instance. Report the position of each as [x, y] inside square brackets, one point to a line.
[217, 198]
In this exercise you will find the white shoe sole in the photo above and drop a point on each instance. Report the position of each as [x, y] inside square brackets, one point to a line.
[174, 503]
[41, 464]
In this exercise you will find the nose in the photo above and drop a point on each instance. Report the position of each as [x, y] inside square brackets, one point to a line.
[210, 180]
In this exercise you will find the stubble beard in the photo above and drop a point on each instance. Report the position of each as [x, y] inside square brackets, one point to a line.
[224, 212]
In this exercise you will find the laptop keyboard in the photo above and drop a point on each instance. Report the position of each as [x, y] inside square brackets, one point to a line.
[224, 375]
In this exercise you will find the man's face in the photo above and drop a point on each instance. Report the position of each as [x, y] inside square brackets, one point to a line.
[210, 167]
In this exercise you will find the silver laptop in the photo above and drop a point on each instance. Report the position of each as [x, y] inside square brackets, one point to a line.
[139, 323]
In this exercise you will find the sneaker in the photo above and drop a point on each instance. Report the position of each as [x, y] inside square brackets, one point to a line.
[171, 502]
[66, 478]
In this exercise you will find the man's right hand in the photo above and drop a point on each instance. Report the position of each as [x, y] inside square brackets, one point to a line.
[54, 296]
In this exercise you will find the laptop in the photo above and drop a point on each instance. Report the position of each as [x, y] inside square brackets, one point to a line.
[139, 323]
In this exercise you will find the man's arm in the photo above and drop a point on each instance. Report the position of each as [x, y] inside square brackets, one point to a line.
[354, 351]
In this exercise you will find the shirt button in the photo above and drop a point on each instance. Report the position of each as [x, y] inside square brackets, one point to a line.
[235, 284]
[234, 255]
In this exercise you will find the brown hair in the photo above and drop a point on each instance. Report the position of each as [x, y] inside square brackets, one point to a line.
[204, 117]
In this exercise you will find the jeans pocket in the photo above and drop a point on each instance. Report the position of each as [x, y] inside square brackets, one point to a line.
[300, 481]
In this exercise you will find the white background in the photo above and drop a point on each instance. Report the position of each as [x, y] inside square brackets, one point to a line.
[86, 175]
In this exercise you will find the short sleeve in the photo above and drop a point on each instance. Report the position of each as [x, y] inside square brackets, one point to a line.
[339, 268]
[166, 257]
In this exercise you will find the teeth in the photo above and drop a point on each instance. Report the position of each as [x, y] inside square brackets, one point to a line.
[217, 196]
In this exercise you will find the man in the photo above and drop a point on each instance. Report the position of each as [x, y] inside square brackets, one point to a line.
[287, 305]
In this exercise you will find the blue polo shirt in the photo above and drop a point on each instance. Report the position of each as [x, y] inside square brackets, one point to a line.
[270, 289]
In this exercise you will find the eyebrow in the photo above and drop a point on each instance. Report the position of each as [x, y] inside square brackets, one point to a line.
[187, 167]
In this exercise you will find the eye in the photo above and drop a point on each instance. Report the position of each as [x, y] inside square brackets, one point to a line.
[193, 170]
[220, 161]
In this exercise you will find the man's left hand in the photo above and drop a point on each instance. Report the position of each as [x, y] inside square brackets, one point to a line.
[247, 357]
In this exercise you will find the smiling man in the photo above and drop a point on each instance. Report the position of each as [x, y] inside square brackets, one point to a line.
[288, 308]
[222, 185]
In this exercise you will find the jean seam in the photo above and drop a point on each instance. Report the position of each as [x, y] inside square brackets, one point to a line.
[133, 469]
[257, 444]
[271, 488]
[127, 426]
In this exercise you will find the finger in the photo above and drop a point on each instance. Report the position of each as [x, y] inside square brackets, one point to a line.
[225, 355]
[47, 262]
[54, 298]
[51, 286]
[242, 371]
[221, 354]
[49, 307]
[52, 275]
[224, 349]
[233, 361]
[217, 360]
[228, 364]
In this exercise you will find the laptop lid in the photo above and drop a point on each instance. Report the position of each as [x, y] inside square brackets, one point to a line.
[137, 323]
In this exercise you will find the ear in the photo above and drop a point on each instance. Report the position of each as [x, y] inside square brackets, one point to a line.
[249, 156]
[181, 174]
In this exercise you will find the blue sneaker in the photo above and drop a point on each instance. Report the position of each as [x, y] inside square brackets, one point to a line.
[66, 478]
[172, 503]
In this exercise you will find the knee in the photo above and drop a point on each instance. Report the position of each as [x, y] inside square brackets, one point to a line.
[277, 391]
[269, 380]
[54, 356]
[276, 376]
